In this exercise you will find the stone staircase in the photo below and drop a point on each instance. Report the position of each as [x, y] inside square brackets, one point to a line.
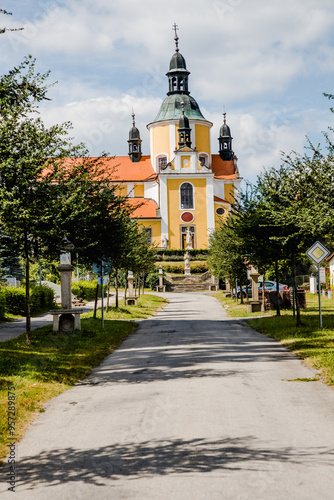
[192, 283]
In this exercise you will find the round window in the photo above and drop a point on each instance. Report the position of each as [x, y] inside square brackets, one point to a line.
[220, 211]
[187, 217]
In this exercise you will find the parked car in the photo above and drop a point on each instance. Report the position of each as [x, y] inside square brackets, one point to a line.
[268, 286]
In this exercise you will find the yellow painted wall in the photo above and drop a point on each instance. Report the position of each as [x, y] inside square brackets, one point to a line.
[220, 218]
[121, 190]
[229, 193]
[156, 230]
[202, 134]
[139, 191]
[185, 159]
[161, 140]
[200, 212]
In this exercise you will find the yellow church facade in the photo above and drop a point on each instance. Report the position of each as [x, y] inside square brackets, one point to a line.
[181, 183]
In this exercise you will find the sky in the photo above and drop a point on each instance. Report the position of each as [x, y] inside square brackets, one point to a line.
[267, 64]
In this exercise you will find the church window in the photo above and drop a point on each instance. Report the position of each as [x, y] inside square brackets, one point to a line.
[187, 195]
[148, 231]
[220, 211]
[162, 161]
[203, 159]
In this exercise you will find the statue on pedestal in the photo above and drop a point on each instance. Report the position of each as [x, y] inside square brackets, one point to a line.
[187, 264]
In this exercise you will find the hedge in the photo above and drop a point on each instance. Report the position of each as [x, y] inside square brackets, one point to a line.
[179, 268]
[193, 252]
[2, 305]
[41, 298]
[86, 290]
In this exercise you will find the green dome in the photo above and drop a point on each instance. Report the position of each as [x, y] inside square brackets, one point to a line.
[134, 133]
[171, 108]
[177, 62]
[225, 131]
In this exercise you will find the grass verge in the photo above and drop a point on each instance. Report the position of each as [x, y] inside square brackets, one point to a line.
[312, 344]
[147, 305]
[236, 309]
[55, 362]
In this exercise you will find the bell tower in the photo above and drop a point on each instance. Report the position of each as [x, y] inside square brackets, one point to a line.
[134, 142]
[225, 141]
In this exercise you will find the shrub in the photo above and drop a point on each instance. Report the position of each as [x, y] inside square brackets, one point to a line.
[179, 268]
[86, 290]
[41, 298]
[152, 280]
[2, 304]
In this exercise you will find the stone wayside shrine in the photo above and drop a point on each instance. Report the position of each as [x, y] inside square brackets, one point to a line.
[66, 319]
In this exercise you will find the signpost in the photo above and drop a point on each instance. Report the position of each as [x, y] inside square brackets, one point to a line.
[318, 252]
[102, 268]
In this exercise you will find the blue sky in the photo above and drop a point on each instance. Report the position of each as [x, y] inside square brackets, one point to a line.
[267, 63]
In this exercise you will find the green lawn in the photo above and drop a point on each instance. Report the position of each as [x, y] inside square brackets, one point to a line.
[314, 345]
[236, 309]
[55, 362]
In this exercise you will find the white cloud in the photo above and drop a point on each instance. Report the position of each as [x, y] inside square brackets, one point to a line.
[246, 55]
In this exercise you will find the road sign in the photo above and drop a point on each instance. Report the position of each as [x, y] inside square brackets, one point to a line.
[106, 268]
[317, 252]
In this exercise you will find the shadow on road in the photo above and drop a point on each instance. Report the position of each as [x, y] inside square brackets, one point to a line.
[159, 458]
[168, 350]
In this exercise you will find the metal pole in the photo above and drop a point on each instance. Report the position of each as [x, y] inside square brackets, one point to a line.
[40, 269]
[102, 293]
[319, 292]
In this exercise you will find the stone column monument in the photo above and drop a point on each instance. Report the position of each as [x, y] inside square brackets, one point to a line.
[161, 287]
[67, 318]
[131, 298]
[254, 305]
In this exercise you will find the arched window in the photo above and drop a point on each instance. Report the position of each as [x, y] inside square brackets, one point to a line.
[187, 195]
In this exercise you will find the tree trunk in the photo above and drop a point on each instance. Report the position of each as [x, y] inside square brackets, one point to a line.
[241, 294]
[278, 308]
[138, 275]
[116, 288]
[96, 297]
[143, 281]
[126, 286]
[263, 307]
[298, 318]
[27, 272]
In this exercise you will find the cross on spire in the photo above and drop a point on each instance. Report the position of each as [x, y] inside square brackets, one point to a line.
[133, 118]
[176, 38]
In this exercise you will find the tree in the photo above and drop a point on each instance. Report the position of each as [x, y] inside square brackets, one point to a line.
[3, 30]
[49, 189]
[227, 253]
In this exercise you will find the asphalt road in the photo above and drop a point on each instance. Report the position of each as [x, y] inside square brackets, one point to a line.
[191, 406]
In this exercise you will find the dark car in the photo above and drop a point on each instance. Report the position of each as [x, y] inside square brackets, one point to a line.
[268, 286]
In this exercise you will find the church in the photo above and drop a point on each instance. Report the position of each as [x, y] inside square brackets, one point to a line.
[181, 186]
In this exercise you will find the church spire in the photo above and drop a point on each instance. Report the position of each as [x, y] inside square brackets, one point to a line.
[225, 141]
[134, 142]
[176, 38]
[178, 73]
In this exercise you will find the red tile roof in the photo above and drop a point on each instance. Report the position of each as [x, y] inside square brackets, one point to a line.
[219, 200]
[121, 168]
[118, 168]
[146, 208]
[223, 169]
